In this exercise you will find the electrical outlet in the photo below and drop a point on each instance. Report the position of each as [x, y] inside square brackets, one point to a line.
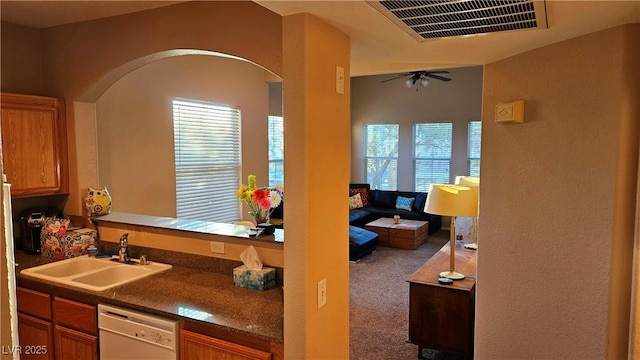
[322, 293]
[217, 247]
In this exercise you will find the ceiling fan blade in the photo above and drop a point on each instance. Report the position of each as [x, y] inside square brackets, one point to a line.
[437, 77]
[397, 77]
[437, 72]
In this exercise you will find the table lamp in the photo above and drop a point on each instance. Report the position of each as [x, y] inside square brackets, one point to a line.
[452, 200]
[474, 183]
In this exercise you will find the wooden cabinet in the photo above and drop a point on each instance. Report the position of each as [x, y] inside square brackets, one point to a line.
[34, 324]
[76, 330]
[34, 145]
[71, 344]
[56, 329]
[36, 337]
[441, 316]
[197, 346]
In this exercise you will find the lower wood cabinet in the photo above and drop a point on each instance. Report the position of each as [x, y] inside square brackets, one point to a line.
[71, 344]
[56, 329]
[76, 330]
[36, 337]
[197, 346]
[34, 325]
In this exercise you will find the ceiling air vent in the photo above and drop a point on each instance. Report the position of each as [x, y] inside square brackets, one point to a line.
[444, 18]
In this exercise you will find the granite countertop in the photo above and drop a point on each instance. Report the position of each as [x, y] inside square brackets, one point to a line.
[184, 293]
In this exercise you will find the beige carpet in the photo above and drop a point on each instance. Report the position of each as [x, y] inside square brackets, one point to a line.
[379, 303]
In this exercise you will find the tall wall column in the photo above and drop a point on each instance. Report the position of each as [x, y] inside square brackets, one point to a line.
[317, 133]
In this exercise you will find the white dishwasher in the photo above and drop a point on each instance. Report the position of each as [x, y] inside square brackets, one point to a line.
[127, 334]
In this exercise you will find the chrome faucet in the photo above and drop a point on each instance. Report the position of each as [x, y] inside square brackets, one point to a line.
[123, 253]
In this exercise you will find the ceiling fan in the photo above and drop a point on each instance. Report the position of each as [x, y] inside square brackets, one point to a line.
[420, 77]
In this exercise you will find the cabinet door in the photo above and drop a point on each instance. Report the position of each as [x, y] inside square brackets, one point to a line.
[197, 346]
[73, 345]
[36, 338]
[75, 315]
[34, 146]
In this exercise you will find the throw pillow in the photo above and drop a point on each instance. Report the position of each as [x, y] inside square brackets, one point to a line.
[355, 202]
[404, 203]
[385, 198]
[418, 203]
[364, 195]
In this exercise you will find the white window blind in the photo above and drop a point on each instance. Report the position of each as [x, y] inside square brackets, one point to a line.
[381, 156]
[276, 150]
[475, 132]
[432, 143]
[207, 160]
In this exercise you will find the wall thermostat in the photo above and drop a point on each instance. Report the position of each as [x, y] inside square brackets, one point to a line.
[510, 112]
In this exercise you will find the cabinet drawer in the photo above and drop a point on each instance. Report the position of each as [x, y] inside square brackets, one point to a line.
[34, 303]
[75, 315]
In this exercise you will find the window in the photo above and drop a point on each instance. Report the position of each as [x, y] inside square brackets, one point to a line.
[381, 156]
[276, 150]
[207, 159]
[475, 130]
[431, 154]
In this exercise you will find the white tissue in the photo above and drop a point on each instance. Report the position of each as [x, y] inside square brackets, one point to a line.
[250, 258]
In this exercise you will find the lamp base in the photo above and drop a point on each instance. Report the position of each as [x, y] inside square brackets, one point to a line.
[452, 275]
[473, 246]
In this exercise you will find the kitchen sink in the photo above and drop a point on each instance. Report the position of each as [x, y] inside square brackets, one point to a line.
[70, 267]
[93, 273]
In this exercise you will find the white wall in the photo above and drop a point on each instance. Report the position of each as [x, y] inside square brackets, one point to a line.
[558, 199]
[135, 126]
[372, 102]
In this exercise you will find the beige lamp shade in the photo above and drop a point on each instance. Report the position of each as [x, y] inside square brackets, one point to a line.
[452, 200]
[470, 181]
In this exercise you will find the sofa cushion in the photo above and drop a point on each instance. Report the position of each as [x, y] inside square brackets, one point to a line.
[364, 195]
[384, 198]
[404, 203]
[356, 215]
[361, 242]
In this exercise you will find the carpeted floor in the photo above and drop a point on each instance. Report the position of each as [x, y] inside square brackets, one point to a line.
[379, 303]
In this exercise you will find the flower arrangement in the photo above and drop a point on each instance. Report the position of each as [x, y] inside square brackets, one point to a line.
[261, 201]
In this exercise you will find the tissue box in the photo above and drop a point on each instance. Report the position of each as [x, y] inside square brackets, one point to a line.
[73, 243]
[262, 279]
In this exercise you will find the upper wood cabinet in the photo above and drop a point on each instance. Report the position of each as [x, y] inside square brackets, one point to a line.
[34, 145]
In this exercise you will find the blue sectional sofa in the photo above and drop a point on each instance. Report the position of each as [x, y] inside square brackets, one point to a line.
[382, 203]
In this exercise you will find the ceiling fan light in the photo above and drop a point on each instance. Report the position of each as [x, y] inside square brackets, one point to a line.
[424, 82]
[410, 83]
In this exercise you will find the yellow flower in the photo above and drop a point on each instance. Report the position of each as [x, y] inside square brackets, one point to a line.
[252, 182]
[243, 193]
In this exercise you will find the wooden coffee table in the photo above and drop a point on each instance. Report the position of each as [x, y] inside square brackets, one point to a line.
[407, 234]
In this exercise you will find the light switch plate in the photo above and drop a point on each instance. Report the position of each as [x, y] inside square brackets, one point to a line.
[322, 293]
[339, 79]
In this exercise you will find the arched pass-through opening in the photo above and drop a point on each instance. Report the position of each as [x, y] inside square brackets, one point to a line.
[100, 86]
